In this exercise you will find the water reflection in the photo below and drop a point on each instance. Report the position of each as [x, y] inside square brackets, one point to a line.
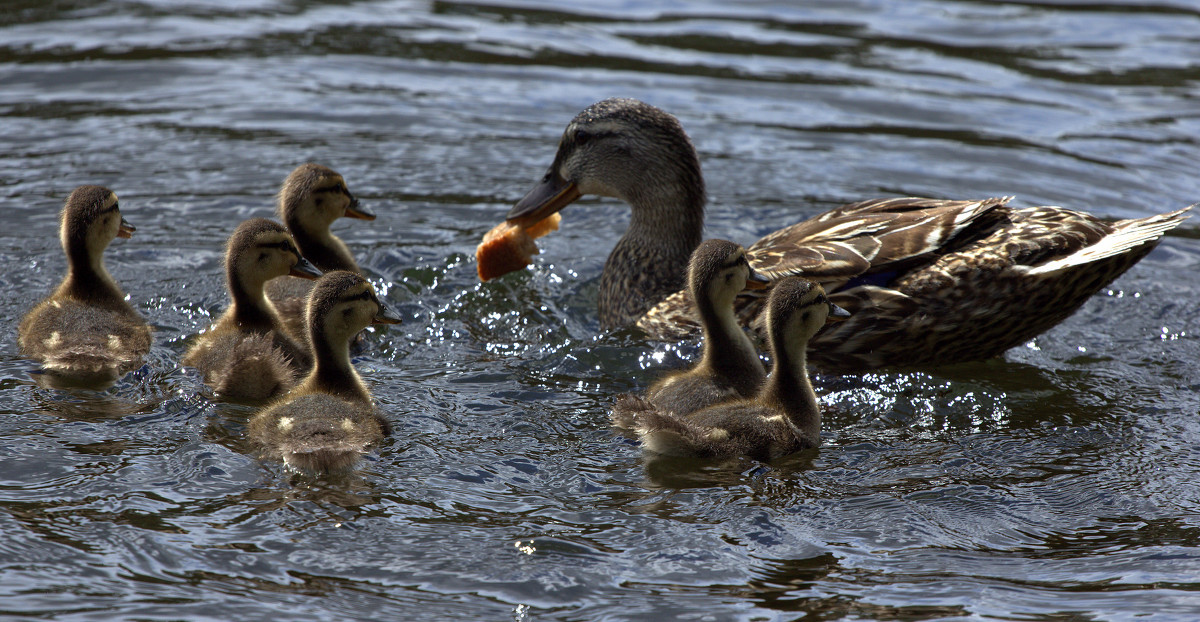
[1057, 477]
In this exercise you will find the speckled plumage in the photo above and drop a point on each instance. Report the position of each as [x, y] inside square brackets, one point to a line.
[310, 200]
[963, 281]
[928, 281]
[729, 366]
[246, 354]
[781, 418]
[85, 332]
[329, 420]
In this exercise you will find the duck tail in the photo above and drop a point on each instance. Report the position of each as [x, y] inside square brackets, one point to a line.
[664, 434]
[258, 370]
[322, 445]
[84, 361]
[626, 407]
[1125, 238]
[325, 460]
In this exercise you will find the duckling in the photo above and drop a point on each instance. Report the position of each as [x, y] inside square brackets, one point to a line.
[327, 422]
[86, 332]
[311, 198]
[246, 354]
[929, 282]
[782, 418]
[729, 365]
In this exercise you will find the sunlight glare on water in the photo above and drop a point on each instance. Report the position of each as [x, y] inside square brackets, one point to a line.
[1057, 482]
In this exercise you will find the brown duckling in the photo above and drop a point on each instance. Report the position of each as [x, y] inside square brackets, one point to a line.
[782, 418]
[729, 366]
[311, 199]
[85, 332]
[246, 354]
[327, 422]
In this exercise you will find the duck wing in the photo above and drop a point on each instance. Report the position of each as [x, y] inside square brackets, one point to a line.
[864, 243]
[872, 237]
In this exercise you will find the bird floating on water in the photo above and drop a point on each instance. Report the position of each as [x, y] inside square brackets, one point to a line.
[86, 333]
[926, 281]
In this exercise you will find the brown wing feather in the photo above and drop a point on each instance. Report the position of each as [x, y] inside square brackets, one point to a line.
[843, 243]
[871, 236]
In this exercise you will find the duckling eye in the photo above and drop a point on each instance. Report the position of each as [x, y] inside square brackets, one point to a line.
[582, 137]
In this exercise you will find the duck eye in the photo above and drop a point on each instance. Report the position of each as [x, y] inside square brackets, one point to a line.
[582, 137]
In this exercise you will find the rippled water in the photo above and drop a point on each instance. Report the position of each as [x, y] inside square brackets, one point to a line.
[1056, 483]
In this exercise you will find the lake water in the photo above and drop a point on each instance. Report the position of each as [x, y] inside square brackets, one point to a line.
[1060, 482]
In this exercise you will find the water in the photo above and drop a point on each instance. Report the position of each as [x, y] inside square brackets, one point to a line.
[1056, 483]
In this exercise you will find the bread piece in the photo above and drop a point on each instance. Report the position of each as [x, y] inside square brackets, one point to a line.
[508, 247]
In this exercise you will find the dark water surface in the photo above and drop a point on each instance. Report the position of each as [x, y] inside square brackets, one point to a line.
[1061, 482]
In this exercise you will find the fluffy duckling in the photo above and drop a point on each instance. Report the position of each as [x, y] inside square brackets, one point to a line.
[327, 422]
[312, 197]
[729, 366]
[86, 331]
[783, 417]
[246, 354]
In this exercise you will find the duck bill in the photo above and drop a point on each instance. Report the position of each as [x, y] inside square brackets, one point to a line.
[305, 270]
[550, 195]
[385, 316]
[125, 230]
[354, 211]
[836, 314]
[754, 280]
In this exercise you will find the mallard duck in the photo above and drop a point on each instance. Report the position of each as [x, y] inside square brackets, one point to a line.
[327, 422]
[926, 281]
[729, 365]
[86, 331]
[311, 199]
[246, 354]
[783, 417]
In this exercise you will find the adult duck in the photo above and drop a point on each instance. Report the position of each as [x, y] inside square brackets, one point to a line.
[926, 281]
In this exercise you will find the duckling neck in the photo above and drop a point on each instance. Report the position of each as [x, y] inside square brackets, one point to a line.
[323, 249]
[249, 306]
[727, 350]
[89, 281]
[789, 388]
[650, 261]
[333, 372]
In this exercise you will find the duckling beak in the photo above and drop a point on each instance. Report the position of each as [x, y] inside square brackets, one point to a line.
[385, 316]
[836, 314]
[125, 230]
[755, 280]
[305, 270]
[550, 195]
[354, 211]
